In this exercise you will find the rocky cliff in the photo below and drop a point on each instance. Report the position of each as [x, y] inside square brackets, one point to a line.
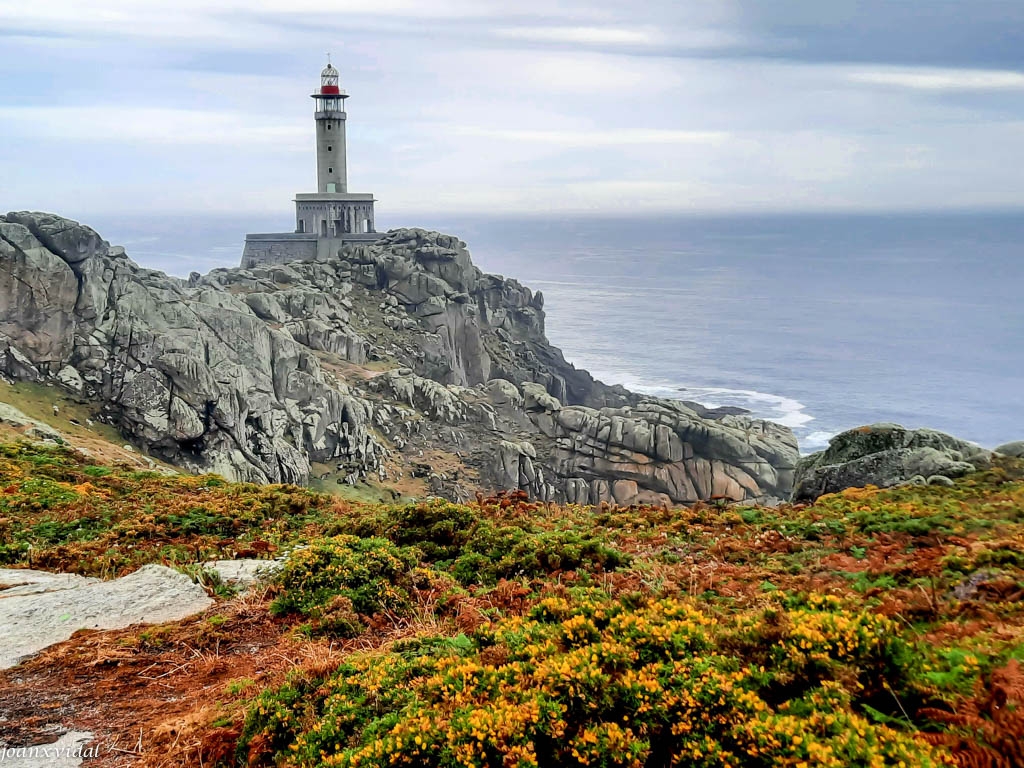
[399, 362]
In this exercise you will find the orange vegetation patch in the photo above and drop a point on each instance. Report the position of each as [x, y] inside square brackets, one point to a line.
[149, 686]
[941, 568]
[169, 695]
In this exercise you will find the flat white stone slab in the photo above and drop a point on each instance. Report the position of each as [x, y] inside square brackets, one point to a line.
[18, 583]
[243, 573]
[39, 609]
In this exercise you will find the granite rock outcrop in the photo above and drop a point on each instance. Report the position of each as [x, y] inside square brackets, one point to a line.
[885, 455]
[1014, 449]
[397, 361]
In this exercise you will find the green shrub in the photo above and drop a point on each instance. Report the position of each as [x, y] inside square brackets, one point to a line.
[506, 552]
[592, 682]
[1000, 557]
[199, 520]
[480, 550]
[751, 515]
[440, 529]
[336, 580]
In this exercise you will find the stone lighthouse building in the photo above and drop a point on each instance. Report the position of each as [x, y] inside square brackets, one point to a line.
[332, 215]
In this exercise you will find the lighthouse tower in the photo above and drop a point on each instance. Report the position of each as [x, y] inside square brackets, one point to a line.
[331, 171]
[331, 216]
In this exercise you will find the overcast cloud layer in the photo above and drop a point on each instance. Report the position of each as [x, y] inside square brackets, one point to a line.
[117, 106]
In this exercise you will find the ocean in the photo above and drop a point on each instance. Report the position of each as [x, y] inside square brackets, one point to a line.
[820, 322]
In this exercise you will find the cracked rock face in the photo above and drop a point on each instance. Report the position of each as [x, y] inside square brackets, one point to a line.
[368, 362]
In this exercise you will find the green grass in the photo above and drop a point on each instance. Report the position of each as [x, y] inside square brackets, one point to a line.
[37, 400]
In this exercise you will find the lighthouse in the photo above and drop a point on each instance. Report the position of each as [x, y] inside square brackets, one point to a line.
[331, 172]
[332, 216]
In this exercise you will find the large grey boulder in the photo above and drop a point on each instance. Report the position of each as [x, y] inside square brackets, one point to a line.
[656, 452]
[70, 240]
[1014, 449]
[885, 455]
[188, 371]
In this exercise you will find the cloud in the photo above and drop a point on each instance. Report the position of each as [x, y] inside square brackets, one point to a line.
[666, 40]
[186, 21]
[246, 23]
[531, 76]
[586, 35]
[154, 125]
[595, 138]
[540, 106]
[939, 33]
[931, 79]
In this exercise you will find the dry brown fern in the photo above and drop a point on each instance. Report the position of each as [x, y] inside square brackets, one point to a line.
[989, 729]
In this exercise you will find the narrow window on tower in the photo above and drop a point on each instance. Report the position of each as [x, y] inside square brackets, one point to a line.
[330, 148]
[330, 170]
[328, 126]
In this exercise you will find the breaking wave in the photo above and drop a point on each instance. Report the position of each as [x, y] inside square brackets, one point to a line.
[763, 405]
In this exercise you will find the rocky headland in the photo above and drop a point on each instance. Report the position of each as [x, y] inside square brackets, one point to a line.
[398, 363]
[160, 617]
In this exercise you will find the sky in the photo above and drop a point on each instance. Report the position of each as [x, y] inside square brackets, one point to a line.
[118, 107]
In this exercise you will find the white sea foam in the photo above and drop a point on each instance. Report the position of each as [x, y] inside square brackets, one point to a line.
[763, 405]
[778, 408]
[815, 441]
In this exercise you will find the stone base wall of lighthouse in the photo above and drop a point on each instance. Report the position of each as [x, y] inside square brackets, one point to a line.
[277, 248]
[334, 218]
